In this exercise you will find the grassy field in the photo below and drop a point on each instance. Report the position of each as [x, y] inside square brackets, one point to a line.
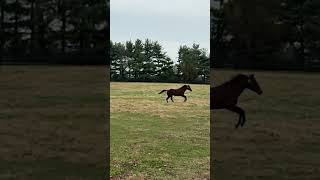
[280, 140]
[153, 139]
[52, 121]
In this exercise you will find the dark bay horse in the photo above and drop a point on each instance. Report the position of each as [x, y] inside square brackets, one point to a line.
[226, 95]
[177, 92]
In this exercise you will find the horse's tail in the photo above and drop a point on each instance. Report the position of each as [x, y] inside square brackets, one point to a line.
[162, 91]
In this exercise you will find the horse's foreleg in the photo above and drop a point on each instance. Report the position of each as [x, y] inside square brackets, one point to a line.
[185, 98]
[241, 113]
[243, 119]
[239, 121]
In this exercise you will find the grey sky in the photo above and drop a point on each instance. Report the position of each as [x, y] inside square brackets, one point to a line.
[170, 22]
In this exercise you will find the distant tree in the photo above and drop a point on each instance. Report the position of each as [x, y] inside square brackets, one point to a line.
[147, 61]
[137, 66]
[13, 24]
[181, 53]
[167, 71]
[218, 23]
[302, 17]
[254, 29]
[148, 66]
[118, 61]
[188, 62]
[204, 65]
[42, 28]
[161, 61]
[3, 4]
[129, 54]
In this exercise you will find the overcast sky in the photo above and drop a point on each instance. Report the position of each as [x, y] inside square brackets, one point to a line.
[170, 22]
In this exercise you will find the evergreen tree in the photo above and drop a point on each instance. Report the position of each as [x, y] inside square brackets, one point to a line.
[302, 17]
[129, 55]
[192, 63]
[138, 57]
[148, 62]
[159, 59]
[3, 5]
[204, 65]
[167, 70]
[148, 65]
[188, 63]
[118, 61]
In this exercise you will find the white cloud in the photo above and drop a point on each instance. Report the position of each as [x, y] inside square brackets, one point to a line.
[183, 8]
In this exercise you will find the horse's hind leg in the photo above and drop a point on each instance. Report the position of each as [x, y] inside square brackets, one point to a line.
[167, 98]
[241, 113]
[171, 99]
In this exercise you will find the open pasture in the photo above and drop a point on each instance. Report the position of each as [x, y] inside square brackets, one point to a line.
[52, 122]
[153, 139]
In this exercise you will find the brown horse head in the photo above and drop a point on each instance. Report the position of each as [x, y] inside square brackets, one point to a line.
[253, 84]
[188, 87]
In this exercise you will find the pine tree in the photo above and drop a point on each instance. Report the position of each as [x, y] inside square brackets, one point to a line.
[148, 66]
[138, 57]
[303, 18]
[118, 61]
[129, 55]
[159, 59]
[192, 63]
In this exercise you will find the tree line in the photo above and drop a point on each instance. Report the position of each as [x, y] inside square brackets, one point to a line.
[273, 34]
[52, 30]
[147, 61]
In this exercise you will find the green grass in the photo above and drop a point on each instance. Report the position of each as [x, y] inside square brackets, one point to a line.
[280, 140]
[153, 139]
[52, 121]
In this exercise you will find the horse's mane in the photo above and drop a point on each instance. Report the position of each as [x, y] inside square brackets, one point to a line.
[183, 86]
[236, 78]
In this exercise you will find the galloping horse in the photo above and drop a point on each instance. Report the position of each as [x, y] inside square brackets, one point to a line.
[177, 92]
[226, 95]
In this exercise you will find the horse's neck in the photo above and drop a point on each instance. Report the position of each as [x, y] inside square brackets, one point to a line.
[183, 89]
[238, 88]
